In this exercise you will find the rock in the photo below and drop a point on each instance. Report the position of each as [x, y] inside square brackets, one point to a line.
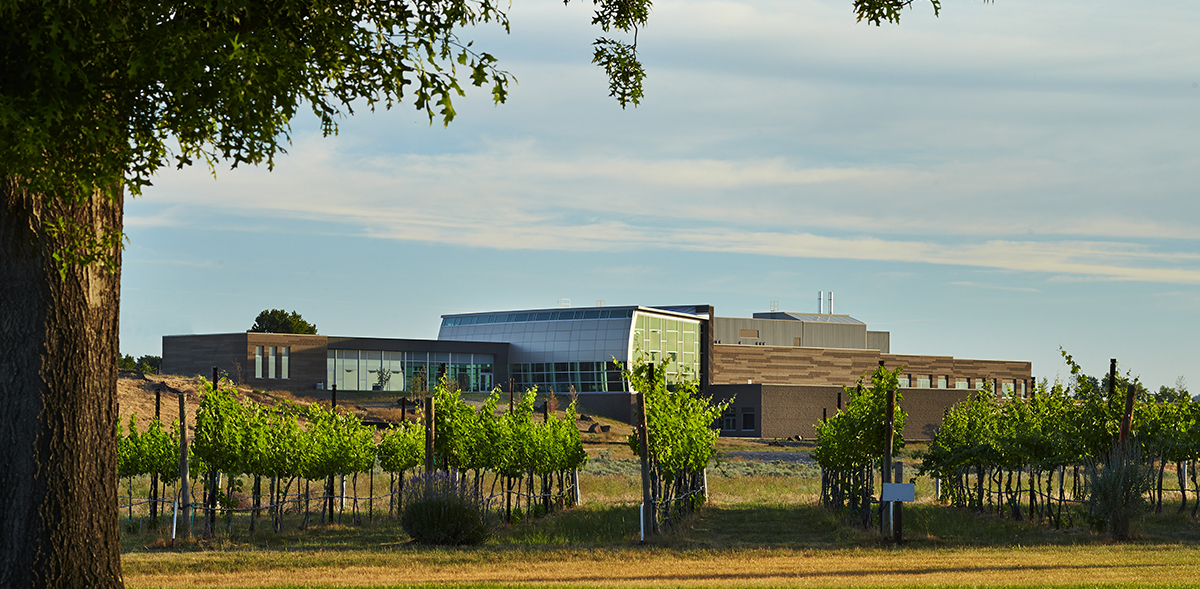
[595, 428]
[605, 428]
[584, 417]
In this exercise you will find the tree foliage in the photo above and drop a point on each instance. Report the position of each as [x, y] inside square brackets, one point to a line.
[280, 321]
[100, 95]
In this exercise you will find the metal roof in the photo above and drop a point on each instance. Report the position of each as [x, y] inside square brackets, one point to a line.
[813, 317]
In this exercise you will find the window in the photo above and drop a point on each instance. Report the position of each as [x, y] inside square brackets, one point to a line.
[904, 381]
[271, 362]
[729, 422]
[748, 333]
[283, 361]
[941, 382]
[258, 351]
[1008, 386]
[747, 419]
[962, 383]
[923, 381]
[1022, 388]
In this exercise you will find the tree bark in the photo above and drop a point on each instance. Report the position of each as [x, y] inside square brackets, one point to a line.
[58, 408]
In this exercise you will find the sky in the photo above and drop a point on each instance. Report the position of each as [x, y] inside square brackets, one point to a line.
[1002, 181]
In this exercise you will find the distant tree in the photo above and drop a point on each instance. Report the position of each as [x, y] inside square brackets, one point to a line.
[126, 362]
[1178, 392]
[280, 321]
[149, 364]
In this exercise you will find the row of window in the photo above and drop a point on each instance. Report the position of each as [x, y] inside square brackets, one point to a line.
[543, 316]
[561, 377]
[729, 421]
[373, 370]
[271, 357]
[930, 381]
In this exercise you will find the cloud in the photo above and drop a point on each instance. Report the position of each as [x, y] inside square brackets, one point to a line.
[512, 196]
[995, 286]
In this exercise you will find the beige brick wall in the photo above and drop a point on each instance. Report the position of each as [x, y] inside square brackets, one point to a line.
[797, 383]
[732, 364]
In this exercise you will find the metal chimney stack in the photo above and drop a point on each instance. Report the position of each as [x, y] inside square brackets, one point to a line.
[831, 302]
[820, 301]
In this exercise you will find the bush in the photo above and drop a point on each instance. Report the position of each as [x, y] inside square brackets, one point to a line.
[1116, 485]
[439, 510]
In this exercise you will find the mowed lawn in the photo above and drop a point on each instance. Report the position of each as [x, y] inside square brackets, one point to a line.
[633, 566]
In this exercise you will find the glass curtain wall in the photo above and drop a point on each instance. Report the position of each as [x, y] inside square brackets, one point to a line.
[561, 377]
[372, 370]
[662, 339]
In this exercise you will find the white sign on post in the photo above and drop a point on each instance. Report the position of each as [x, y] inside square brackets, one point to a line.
[904, 492]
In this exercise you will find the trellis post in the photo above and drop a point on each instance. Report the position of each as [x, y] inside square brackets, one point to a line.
[185, 500]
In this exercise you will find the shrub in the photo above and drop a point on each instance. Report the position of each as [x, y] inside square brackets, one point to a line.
[1116, 486]
[440, 510]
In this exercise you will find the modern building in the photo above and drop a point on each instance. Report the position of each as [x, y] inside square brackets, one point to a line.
[784, 370]
[277, 360]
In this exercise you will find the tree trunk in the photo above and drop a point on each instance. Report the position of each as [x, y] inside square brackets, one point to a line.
[58, 410]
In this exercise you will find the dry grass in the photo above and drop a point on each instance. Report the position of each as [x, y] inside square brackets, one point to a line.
[649, 566]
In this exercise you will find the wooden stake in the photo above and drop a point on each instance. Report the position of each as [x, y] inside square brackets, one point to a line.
[888, 440]
[429, 434]
[1127, 418]
[644, 451]
[185, 500]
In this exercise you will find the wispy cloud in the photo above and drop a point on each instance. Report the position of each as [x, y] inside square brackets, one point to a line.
[518, 198]
[971, 284]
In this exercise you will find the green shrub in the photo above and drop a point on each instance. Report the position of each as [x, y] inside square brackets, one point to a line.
[1116, 486]
[439, 510]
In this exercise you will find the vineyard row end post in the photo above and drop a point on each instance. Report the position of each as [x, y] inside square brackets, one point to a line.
[647, 512]
[889, 427]
[185, 501]
[898, 507]
[429, 434]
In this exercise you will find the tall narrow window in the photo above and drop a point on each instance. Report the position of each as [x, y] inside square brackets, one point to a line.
[283, 361]
[902, 381]
[748, 419]
[941, 382]
[923, 381]
[258, 361]
[271, 362]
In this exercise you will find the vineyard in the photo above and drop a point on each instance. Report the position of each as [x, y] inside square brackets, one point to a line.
[1089, 452]
[1089, 444]
[305, 460]
[1086, 443]
[273, 457]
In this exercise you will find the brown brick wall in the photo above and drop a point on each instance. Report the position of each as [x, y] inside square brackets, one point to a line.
[791, 410]
[732, 364]
[784, 411]
[786, 365]
[792, 385]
